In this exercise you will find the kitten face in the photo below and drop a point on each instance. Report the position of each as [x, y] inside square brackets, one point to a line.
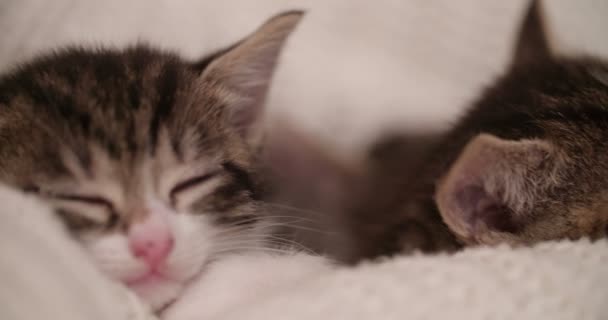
[150, 160]
[155, 223]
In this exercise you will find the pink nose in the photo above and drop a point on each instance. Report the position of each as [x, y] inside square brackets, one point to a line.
[151, 241]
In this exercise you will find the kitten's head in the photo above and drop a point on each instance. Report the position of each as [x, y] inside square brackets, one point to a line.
[149, 159]
[535, 164]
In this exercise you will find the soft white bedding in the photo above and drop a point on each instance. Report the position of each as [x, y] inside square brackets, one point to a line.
[567, 280]
[45, 276]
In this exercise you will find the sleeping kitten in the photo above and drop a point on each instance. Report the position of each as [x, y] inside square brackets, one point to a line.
[152, 161]
[527, 163]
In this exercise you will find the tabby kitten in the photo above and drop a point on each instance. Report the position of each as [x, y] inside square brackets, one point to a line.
[151, 160]
[527, 163]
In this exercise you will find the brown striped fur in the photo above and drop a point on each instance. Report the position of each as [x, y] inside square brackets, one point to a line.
[526, 163]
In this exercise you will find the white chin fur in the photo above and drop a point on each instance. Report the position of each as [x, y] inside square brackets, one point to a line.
[230, 283]
[158, 295]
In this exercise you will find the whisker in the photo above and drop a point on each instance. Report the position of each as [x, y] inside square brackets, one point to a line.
[275, 219]
[292, 208]
[246, 241]
[266, 240]
[295, 218]
[275, 224]
[239, 240]
[234, 229]
[254, 249]
[294, 244]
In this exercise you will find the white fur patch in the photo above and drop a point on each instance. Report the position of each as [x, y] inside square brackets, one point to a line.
[242, 279]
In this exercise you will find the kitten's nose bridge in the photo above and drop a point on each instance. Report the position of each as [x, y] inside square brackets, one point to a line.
[151, 240]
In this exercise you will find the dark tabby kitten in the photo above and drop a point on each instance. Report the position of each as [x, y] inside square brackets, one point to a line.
[152, 161]
[527, 163]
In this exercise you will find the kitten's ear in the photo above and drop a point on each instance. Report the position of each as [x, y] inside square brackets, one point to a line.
[532, 43]
[491, 185]
[243, 72]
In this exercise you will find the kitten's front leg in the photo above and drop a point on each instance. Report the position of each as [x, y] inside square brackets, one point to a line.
[239, 280]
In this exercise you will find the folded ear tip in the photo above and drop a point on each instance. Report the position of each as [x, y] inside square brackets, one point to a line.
[486, 141]
[289, 18]
[291, 14]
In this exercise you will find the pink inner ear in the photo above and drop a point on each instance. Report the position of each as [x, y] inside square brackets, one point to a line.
[488, 184]
[477, 207]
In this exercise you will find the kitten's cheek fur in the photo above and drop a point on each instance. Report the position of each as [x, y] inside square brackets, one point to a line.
[112, 255]
[194, 241]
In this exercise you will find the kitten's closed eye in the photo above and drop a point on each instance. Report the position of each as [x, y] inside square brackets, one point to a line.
[193, 188]
[81, 211]
[83, 199]
[79, 222]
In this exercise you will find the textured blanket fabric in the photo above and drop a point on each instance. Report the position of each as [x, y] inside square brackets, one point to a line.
[45, 276]
[560, 280]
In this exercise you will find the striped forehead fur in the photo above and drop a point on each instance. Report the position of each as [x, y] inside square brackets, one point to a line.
[118, 100]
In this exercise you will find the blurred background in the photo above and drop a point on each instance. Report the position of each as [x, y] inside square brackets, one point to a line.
[353, 70]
